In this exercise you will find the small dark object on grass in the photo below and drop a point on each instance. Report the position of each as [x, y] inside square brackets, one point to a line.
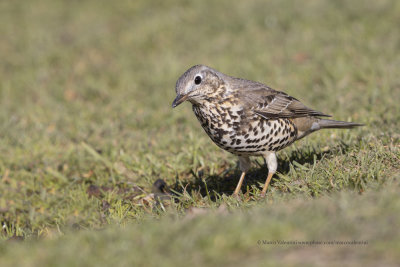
[97, 191]
[160, 186]
[161, 190]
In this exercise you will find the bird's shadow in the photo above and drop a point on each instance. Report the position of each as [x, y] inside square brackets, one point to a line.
[226, 182]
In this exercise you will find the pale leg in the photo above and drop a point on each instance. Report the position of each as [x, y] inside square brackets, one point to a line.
[244, 165]
[272, 164]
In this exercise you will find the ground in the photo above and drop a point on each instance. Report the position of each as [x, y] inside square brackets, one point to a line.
[96, 168]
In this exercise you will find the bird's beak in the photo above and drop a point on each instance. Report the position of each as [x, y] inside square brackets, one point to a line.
[179, 99]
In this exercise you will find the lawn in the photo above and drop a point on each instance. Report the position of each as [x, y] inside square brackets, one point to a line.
[96, 168]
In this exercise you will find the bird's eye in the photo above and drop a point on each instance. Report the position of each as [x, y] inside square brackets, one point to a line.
[197, 80]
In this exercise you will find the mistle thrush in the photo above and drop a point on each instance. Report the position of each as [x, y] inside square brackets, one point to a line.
[248, 118]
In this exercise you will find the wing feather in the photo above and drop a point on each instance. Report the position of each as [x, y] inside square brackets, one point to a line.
[270, 103]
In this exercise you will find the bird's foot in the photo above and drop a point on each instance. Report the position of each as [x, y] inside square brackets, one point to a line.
[236, 196]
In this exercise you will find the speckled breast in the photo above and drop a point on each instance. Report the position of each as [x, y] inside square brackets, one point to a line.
[243, 132]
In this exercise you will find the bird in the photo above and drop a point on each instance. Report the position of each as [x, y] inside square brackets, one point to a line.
[248, 118]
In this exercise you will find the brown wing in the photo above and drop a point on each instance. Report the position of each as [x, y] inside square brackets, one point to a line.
[270, 103]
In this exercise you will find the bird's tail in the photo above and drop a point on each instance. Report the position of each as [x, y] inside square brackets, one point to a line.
[325, 124]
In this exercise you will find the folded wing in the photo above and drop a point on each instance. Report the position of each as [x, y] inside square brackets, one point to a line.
[270, 103]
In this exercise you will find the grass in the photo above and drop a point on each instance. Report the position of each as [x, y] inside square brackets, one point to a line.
[225, 236]
[87, 129]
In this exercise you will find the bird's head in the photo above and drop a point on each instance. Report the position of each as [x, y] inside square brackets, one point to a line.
[197, 84]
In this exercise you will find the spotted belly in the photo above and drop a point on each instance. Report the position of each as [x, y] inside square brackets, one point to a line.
[241, 135]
